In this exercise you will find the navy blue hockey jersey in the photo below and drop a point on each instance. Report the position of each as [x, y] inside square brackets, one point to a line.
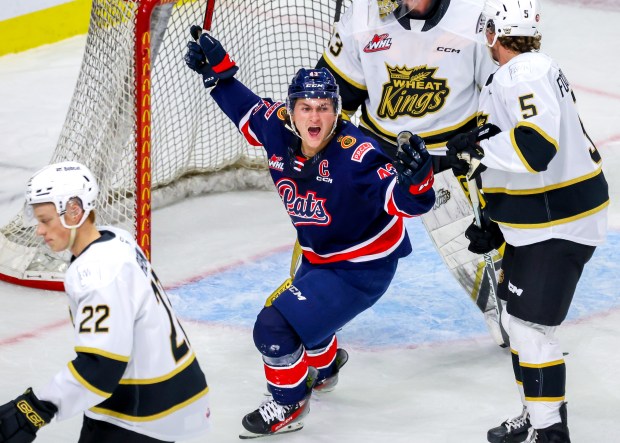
[344, 202]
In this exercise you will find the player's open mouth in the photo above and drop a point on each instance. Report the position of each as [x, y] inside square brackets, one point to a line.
[314, 131]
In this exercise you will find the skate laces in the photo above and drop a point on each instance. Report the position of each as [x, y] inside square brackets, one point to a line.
[532, 436]
[271, 411]
[518, 422]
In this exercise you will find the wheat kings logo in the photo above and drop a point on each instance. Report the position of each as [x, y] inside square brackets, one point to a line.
[414, 92]
[442, 197]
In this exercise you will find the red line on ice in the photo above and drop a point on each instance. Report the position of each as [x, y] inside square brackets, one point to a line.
[35, 333]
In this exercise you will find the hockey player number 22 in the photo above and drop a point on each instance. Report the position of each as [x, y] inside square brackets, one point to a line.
[101, 312]
[178, 351]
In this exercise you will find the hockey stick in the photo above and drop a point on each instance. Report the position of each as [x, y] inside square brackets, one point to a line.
[337, 13]
[208, 15]
[206, 23]
[489, 264]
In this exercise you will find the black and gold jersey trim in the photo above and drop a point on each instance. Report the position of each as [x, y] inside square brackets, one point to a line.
[151, 401]
[549, 206]
[534, 147]
[97, 370]
[433, 139]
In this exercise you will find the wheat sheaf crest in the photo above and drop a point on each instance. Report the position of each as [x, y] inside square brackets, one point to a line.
[419, 73]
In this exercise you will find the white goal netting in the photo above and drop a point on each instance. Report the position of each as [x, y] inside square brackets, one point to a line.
[193, 148]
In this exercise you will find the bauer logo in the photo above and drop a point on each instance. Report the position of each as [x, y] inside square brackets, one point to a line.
[360, 152]
[381, 42]
[276, 163]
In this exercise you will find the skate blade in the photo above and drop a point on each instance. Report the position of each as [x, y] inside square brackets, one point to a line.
[328, 385]
[291, 427]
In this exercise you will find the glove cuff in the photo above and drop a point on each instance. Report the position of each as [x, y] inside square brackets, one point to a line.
[226, 68]
[424, 185]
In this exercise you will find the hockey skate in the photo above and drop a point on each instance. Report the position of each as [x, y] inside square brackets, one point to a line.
[556, 433]
[273, 418]
[329, 383]
[514, 430]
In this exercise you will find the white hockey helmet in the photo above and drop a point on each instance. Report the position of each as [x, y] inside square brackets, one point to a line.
[58, 183]
[510, 18]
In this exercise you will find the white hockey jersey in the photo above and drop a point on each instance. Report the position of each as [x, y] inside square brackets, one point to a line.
[422, 76]
[134, 367]
[544, 178]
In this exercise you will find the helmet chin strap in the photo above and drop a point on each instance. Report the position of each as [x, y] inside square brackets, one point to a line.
[72, 236]
[495, 37]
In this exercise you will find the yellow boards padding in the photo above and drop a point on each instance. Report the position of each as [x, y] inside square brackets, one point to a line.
[26, 24]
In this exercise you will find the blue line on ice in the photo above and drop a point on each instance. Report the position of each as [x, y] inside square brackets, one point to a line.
[423, 305]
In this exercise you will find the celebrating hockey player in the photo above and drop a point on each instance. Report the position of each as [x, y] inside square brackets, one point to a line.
[135, 376]
[416, 65]
[544, 187]
[346, 200]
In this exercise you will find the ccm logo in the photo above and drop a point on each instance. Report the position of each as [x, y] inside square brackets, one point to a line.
[512, 288]
[444, 49]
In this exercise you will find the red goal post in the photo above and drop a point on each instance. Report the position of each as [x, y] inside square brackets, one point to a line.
[145, 126]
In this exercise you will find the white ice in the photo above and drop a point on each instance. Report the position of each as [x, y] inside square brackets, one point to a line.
[442, 390]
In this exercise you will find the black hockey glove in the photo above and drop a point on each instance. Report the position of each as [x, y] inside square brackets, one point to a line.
[485, 239]
[195, 59]
[413, 164]
[467, 143]
[20, 419]
[221, 62]
[464, 144]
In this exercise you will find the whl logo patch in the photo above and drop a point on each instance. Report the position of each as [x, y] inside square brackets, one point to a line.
[412, 91]
[276, 163]
[381, 42]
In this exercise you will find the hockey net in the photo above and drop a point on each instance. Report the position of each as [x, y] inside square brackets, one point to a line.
[144, 124]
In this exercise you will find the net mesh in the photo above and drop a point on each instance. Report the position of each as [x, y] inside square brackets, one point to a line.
[194, 147]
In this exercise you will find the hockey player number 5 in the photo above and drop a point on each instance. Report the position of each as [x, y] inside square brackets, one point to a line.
[178, 351]
[529, 110]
